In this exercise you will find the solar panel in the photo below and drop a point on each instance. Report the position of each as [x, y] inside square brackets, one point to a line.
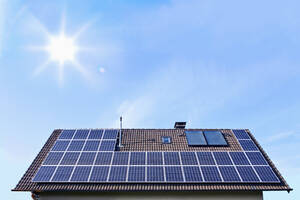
[76, 145]
[70, 158]
[136, 174]
[266, 174]
[211, 174]
[154, 158]
[91, 145]
[99, 174]
[171, 158]
[44, 174]
[60, 145]
[155, 174]
[81, 134]
[256, 158]
[96, 134]
[205, 158]
[248, 145]
[86, 158]
[195, 138]
[222, 158]
[137, 158]
[174, 174]
[107, 145]
[103, 158]
[188, 158]
[192, 174]
[239, 158]
[62, 174]
[53, 158]
[110, 134]
[67, 134]
[118, 173]
[229, 174]
[215, 138]
[241, 134]
[81, 174]
[247, 174]
[120, 158]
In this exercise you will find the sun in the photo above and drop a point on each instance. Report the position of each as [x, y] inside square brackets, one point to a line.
[62, 48]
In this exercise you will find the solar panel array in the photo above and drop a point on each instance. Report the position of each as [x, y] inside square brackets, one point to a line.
[90, 156]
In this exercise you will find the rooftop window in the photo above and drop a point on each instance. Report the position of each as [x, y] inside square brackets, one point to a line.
[206, 138]
[166, 139]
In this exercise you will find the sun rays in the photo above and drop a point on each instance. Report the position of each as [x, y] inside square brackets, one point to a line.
[62, 50]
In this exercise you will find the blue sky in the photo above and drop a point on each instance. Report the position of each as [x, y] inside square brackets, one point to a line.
[215, 64]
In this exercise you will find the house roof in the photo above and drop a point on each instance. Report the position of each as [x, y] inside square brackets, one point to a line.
[150, 140]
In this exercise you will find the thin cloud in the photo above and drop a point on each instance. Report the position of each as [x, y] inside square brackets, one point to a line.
[281, 136]
[2, 22]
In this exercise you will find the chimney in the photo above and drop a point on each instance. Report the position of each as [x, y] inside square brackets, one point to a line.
[179, 125]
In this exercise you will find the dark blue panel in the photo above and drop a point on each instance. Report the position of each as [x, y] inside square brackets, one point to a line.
[44, 174]
[192, 174]
[229, 174]
[107, 145]
[188, 158]
[247, 174]
[118, 173]
[110, 134]
[154, 158]
[215, 138]
[81, 134]
[76, 145]
[171, 158]
[96, 134]
[205, 158]
[155, 174]
[136, 174]
[248, 145]
[70, 158]
[103, 158]
[137, 158]
[222, 158]
[256, 158]
[62, 174]
[91, 145]
[241, 134]
[211, 174]
[66, 134]
[86, 158]
[195, 138]
[81, 174]
[99, 174]
[239, 158]
[174, 174]
[266, 174]
[120, 158]
[60, 145]
[53, 158]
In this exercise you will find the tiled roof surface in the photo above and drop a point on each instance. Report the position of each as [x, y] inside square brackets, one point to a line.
[149, 140]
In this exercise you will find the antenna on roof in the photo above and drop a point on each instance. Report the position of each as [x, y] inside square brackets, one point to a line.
[120, 138]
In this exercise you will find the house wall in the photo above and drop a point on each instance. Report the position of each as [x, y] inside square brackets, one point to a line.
[152, 196]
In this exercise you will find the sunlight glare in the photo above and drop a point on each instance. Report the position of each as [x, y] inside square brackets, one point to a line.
[62, 48]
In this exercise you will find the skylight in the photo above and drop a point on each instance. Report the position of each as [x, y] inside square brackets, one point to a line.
[166, 139]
